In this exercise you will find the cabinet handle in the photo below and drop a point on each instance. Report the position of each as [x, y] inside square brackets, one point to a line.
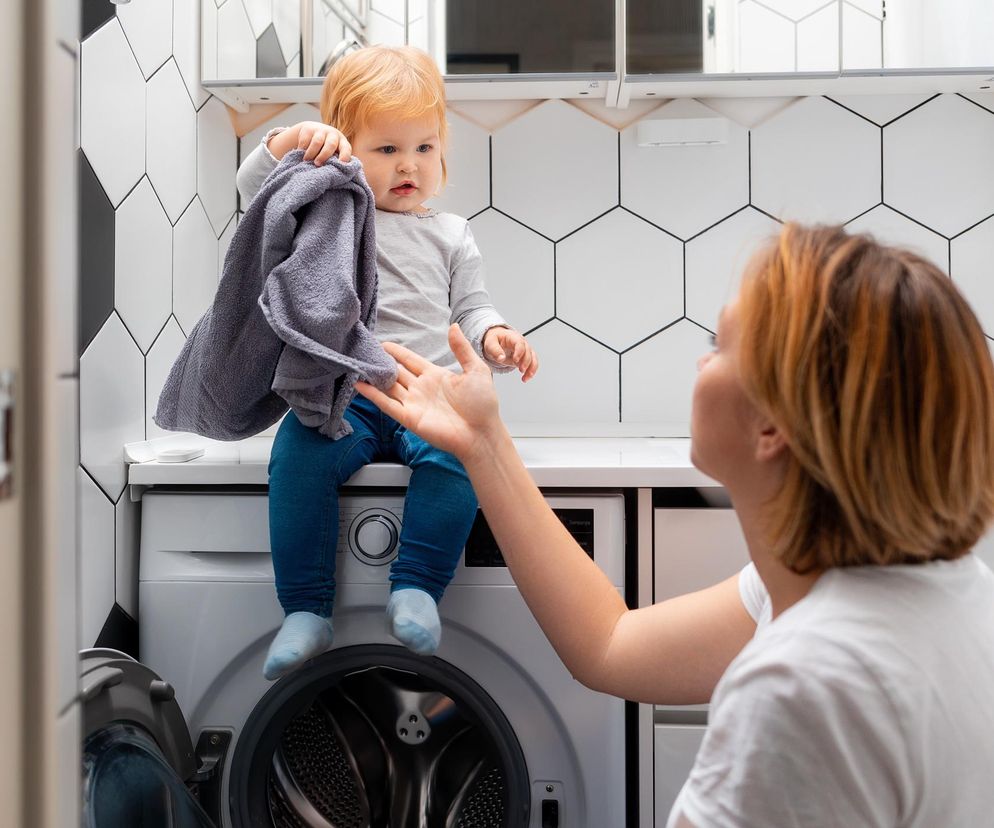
[6, 434]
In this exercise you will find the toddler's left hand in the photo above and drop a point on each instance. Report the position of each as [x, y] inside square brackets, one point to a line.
[507, 347]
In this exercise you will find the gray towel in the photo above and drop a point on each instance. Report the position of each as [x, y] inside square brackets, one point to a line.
[291, 323]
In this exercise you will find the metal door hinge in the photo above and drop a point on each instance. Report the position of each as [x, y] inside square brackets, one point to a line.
[6, 433]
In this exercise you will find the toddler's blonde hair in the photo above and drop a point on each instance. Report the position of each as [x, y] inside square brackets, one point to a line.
[396, 81]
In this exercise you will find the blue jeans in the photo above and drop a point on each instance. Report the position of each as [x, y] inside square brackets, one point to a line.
[305, 471]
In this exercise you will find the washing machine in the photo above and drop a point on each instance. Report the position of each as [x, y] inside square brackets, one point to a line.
[491, 731]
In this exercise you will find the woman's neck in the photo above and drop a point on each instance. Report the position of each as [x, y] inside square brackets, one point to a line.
[785, 586]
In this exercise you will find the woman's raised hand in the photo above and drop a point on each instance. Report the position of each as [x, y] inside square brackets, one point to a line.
[454, 412]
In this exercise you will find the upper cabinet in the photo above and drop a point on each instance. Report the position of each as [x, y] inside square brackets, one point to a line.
[616, 50]
[709, 47]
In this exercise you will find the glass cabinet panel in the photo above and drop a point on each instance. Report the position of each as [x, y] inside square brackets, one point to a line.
[301, 38]
[917, 34]
[522, 36]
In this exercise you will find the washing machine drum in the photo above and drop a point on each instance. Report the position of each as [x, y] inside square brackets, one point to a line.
[372, 736]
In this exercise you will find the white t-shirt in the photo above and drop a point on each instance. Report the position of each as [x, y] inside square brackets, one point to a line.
[870, 702]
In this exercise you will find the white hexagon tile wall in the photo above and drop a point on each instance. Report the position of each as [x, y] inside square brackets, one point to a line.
[157, 199]
[614, 258]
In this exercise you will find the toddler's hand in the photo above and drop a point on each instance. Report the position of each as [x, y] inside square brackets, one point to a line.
[318, 141]
[508, 347]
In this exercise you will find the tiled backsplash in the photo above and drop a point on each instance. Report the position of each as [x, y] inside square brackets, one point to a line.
[614, 258]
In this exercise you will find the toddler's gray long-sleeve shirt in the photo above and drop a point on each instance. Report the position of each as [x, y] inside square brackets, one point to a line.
[430, 275]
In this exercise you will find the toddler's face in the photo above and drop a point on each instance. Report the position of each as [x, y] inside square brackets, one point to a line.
[402, 160]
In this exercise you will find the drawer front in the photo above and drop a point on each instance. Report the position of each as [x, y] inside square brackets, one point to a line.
[674, 749]
[695, 548]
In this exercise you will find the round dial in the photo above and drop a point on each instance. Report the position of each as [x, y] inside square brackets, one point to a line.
[374, 536]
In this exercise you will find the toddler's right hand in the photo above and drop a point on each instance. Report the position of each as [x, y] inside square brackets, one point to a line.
[318, 141]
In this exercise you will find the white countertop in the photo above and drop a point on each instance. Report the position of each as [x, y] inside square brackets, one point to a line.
[631, 462]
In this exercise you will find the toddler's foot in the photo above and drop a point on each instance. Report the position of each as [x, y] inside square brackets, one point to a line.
[414, 620]
[302, 636]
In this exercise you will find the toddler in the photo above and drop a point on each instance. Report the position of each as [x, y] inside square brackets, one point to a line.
[387, 106]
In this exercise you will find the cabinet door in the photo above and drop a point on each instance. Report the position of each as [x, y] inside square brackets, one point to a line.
[695, 548]
[692, 549]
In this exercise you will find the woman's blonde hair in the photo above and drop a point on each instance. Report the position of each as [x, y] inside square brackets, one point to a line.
[396, 81]
[874, 368]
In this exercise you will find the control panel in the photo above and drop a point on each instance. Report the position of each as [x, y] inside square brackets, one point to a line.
[482, 549]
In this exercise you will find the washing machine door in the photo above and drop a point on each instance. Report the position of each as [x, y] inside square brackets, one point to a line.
[137, 750]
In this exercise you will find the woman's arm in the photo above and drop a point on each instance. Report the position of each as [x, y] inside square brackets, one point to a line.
[670, 653]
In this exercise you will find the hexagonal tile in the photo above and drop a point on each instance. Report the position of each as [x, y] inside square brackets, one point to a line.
[520, 269]
[96, 254]
[334, 32]
[158, 364]
[467, 161]
[384, 31]
[938, 165]
[892, 228]
[555, 168]
[171, 141]
[286, 20]
[658, 376]
[111, 404]
[619, 279]
[149, 29]
[96, 559]
[217, 163]
[766, 40]
[320, 47]
[285, 118]
[143, 287]
[818, 40]
[293, 66]
[93, 16]
[224, 243]
[559, 397]
[394, 9]
[716, 260]
[655, 181]
[112, 111]
[188, 46]
[981, 97]
[815, 162]
[796, 9]
[971, 257]
[881, 109]
[874, 8]
[194, 266]
[419, 33]
[861, 39]
[127, 522]
[269, 59]
[235, 43]
[260, 14]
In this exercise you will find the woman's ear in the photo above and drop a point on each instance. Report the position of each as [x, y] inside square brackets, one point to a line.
[771, 443]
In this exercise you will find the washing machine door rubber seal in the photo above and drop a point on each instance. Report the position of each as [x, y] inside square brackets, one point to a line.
[137, 754]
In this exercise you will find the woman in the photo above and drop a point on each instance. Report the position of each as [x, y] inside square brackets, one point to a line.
[848, 409]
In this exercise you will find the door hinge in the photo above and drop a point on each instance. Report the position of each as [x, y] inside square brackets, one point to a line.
[6, 433]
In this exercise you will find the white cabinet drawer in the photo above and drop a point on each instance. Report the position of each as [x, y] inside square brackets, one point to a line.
[695, 548]
[674, 749]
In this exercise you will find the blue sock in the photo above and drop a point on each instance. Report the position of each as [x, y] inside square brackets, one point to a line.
[302, 636]
[414, 620]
